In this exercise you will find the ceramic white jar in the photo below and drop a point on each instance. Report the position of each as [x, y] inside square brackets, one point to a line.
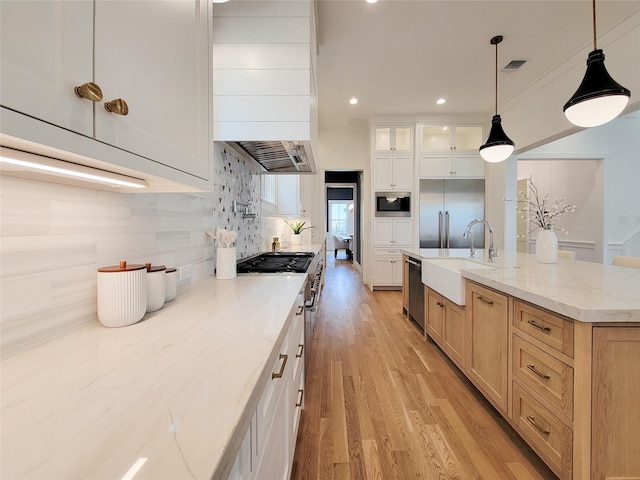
[122, 294]
[172, 284]
[226, 263]
[157, 283]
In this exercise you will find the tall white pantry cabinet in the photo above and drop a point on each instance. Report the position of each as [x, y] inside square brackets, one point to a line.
[392, 162]
[153, 55]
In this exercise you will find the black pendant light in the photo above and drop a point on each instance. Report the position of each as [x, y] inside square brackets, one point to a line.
[599, 98]
[498, 146]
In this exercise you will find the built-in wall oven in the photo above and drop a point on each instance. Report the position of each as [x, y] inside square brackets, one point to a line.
[393, 204]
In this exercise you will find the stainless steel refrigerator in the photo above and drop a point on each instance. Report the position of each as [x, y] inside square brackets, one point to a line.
[446, 207]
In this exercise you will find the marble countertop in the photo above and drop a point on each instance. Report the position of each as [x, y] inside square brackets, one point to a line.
[176, 389]
[583, 291]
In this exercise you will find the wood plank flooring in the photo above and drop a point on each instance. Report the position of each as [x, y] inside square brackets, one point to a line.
[381, 403]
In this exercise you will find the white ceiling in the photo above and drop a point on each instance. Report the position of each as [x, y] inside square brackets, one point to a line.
[399, 56]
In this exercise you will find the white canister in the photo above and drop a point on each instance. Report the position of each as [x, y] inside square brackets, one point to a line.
[122, 294]
[157, 282]
[172, 284]
[226, 263]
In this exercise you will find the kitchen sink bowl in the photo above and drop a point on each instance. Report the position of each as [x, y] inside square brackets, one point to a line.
[444, 275]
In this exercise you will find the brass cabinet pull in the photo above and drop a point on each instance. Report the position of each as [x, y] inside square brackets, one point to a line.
[539, 327]
[301, 347]
[540, 374]
[484, 300]
[301, 394]
[117, 106]
[300, 310]
[89, 91]
[284, 357]
[532, 421]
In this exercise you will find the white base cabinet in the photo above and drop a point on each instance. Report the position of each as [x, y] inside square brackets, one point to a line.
[269, 442]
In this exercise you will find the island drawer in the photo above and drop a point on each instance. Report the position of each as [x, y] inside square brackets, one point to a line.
[550, 329]
[544, 375]
[549, 436]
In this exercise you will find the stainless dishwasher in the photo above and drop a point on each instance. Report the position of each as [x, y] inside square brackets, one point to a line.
[416, 292]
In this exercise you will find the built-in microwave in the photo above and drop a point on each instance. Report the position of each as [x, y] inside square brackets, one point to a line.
[393, 204]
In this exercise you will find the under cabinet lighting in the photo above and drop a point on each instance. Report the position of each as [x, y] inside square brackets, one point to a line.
[60, 168]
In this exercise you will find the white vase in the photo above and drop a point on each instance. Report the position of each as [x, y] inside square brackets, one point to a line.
[296, 239]
[546, 246]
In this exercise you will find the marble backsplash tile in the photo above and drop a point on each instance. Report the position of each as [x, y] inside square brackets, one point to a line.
[54, 237]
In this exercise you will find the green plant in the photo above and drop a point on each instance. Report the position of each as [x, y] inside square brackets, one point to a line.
[298, 227]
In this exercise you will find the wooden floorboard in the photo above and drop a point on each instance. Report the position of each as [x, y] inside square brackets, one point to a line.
[382, 403]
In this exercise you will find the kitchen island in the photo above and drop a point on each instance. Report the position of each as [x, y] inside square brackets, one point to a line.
[554, 348]
[173, 393]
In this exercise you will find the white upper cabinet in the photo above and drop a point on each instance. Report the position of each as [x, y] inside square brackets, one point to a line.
[288, 187]
[392, 172]
[450, 138]
[47, 50]
[155, 56]
[392, 139]
[452, 165]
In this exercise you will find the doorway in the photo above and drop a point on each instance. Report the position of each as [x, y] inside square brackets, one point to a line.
[343, 209]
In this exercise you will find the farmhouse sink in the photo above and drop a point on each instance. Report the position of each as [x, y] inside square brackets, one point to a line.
[445, 277]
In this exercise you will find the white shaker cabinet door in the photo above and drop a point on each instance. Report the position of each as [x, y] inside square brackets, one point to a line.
[46, 51]
[154, 56]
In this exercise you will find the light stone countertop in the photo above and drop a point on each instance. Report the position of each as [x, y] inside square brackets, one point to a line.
[177, 388]
[583, 291]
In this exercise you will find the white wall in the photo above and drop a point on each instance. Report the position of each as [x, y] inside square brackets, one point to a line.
[54, 237]
[618, 144]
[580, 182]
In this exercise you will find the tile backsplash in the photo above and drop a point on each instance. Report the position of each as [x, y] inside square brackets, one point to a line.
[53, 238]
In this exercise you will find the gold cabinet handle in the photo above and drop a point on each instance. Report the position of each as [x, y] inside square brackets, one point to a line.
[300, 310]
[539, 327]
[300, 395]
[284, 363]
[532, 421]
[89, 91]
[535, 370]
[484, 300]
[117, 106]
[301, 347]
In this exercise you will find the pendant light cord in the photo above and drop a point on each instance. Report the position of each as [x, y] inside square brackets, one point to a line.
[497, 77]
[594, 25]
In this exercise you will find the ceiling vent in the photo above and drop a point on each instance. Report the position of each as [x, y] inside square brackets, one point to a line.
[513, 65]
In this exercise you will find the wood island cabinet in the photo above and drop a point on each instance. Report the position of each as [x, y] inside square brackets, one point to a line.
[446, 325]
[487, 343]
[615, 428]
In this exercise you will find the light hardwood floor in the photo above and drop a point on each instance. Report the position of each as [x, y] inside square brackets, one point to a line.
[381, 403]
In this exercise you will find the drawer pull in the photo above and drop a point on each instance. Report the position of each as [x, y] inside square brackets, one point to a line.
[532, 421]
[540, 374]
[484, 300]
[539, 327]
[300, 310]
[284, 357]
[300, 395]
[301, 347]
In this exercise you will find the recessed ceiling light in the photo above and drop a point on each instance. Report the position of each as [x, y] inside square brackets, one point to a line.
[354, 100]
[219, 1]
[441, 101]
[372, 1]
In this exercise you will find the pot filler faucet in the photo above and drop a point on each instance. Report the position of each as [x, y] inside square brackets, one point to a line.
[493, 253]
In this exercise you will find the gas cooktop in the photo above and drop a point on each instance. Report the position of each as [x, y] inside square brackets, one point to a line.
[276, 262]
